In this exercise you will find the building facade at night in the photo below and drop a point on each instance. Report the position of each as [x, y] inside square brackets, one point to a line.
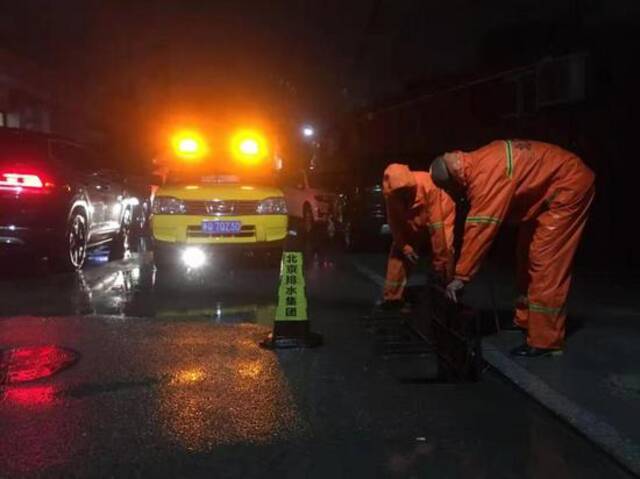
[35, 99]
[25, 101]
[577, 90]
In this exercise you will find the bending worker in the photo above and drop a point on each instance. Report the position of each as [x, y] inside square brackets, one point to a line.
[418, 214]
[548, 192]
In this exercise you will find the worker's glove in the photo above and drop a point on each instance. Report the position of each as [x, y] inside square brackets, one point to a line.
[410, 255]
[454, 290]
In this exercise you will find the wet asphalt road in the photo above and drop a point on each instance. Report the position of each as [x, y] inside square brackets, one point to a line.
[171, 382]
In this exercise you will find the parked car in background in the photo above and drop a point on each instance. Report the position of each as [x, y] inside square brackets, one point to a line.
[58, 199]
[312, 201]
[365, 215]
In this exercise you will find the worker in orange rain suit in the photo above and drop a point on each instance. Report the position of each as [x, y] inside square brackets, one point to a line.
[548, 192]
[418, 214]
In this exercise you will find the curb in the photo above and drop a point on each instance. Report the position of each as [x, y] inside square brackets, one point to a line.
[622, 449]
[625, 451]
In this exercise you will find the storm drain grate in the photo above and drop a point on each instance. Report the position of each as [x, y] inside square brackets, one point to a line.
[394, 336]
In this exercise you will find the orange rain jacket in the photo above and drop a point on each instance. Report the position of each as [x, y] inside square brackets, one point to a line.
[548, 191]
[429, 220]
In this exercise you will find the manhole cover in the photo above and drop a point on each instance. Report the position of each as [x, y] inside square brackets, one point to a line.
[25, 364]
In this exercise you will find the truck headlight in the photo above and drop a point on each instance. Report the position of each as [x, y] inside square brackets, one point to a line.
[272, 206]
[168, 205]
[194, 257]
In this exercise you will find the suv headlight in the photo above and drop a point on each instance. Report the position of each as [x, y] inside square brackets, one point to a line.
[272, 206]
[168, 205]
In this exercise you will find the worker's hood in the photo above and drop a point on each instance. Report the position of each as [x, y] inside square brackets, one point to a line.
[396, 177]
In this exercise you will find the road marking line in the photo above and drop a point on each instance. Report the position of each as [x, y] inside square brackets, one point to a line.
[369, 273]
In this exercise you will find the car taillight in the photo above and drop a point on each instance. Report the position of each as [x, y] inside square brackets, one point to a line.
[21, 181]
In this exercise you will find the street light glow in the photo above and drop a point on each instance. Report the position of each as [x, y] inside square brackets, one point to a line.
[308, 131]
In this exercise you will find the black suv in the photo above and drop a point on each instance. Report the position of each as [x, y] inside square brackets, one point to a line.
[57, 199]
[365, 213]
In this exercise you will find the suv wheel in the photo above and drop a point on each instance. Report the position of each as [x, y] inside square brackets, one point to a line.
[139, 221]
[120, 244]
[73, 250]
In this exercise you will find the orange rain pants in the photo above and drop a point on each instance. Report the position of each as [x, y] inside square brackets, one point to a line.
[548, 192]
[419, 215]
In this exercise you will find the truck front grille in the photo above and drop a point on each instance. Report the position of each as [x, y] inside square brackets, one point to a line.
[221, 208]
[246, 231]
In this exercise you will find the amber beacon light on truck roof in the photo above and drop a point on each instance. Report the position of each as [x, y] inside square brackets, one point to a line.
[246, 146]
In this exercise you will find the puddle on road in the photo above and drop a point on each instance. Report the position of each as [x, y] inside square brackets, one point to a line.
[208, 387]
[253, 313]
[31, 396]
[242, 397]
[134, 288]
[240, 292]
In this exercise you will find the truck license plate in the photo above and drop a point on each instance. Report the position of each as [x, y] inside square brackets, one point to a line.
[221, 227]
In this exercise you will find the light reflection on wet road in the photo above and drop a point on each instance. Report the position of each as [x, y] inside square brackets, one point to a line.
[243, 399]
[171, 382]
[133, 288]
